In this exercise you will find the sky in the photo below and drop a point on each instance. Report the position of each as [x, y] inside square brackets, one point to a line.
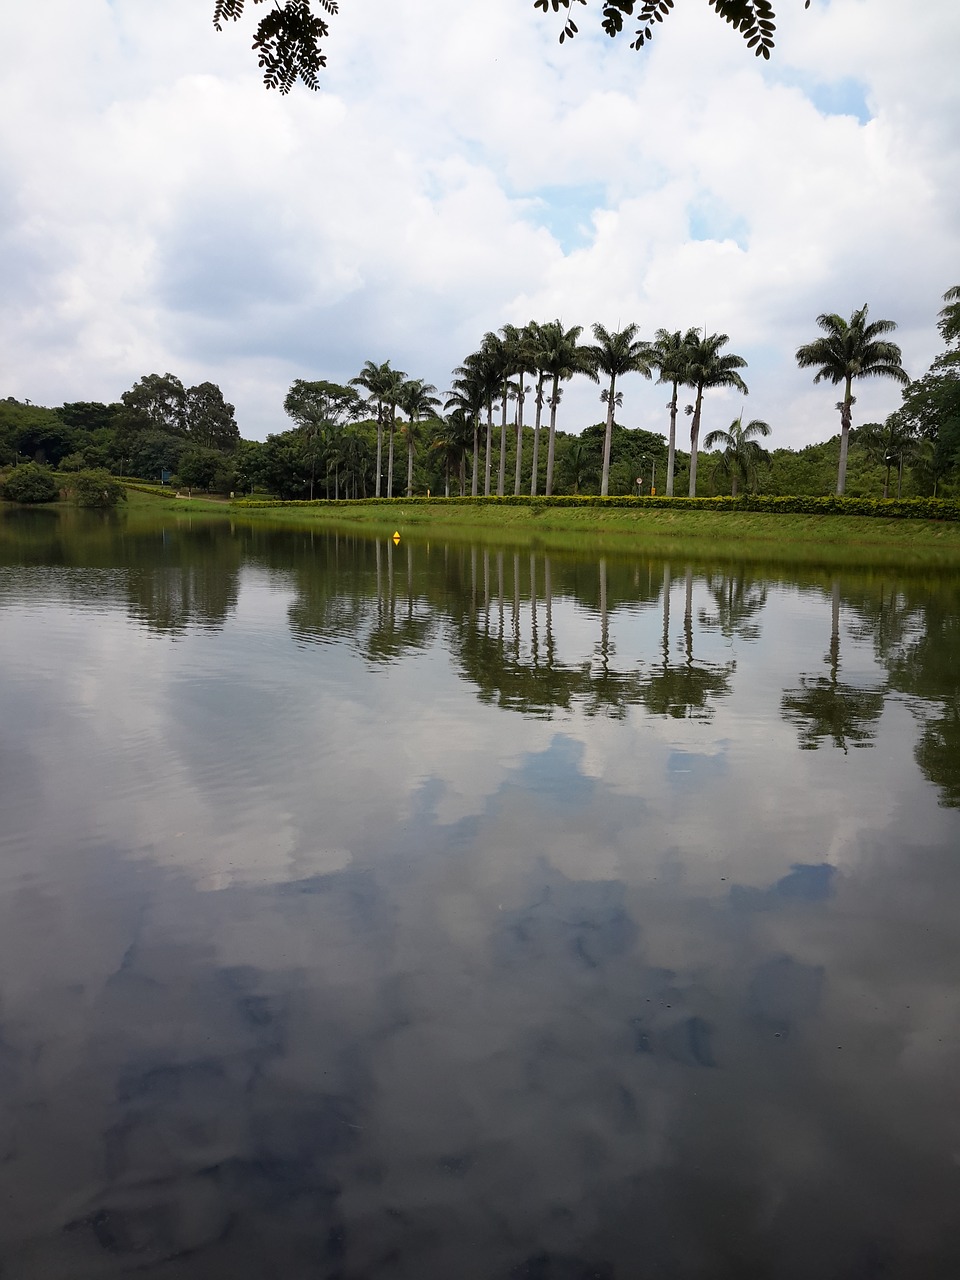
[160, 210]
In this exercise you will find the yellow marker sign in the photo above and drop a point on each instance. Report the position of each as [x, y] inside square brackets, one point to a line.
[396, 535]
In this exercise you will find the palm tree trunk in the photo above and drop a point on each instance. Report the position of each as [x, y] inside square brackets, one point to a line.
[489, 452]
[393, 427]
[516, 480]
[474, 483]
[694, 442]
[733, 485]
[379, 445]
[844, 434]
[607, 439]
[672, 445]
[900, 478]
[502, 470]
[410, 458]
[551, 439]
[536, 438]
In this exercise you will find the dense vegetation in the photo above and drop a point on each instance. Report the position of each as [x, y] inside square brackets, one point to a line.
[497, 430]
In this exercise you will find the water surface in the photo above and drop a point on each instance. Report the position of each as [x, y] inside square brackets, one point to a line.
[445, 911]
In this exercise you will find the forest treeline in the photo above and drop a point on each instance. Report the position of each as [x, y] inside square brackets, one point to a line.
[497, 428]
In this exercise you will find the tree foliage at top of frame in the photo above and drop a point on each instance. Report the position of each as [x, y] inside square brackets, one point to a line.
[287, 39]
[754, 19]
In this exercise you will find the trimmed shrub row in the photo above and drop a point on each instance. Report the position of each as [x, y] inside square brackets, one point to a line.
[887, 508]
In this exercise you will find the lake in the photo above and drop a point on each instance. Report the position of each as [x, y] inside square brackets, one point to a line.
[374, 912]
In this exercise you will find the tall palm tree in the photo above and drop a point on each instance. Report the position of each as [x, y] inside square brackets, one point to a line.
[536, 343]
[708, 366]
[614, 355]
[671, 352]
[499, 355]
[417, 399]
[742, 454]
[847, 351]
[512, 361]
[451, 441]
[472, 391]
[376, 379]
[485, 363]
[526, 362]
[392, 391]
[561, 357]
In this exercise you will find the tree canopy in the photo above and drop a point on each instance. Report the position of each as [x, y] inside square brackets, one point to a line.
[287, 38]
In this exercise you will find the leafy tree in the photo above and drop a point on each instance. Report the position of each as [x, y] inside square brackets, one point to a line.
[209, 419]
[97, 488]
[30, 483]
[287, 39]
[150, 453]
[201, 468]
[742, 454]
[248, 466]
[157, 402]
[89, 416]
[754, 19]
[614, 355]
[708, 366]
[931, 412]
[321, 410]
[847, 351]
[36, 432]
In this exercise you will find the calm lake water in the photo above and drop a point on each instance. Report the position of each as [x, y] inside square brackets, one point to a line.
[439, 912]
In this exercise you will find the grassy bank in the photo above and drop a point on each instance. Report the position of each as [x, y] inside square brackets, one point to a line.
[714, 535]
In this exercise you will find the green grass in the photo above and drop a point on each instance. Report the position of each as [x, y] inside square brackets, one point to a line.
[699, 535]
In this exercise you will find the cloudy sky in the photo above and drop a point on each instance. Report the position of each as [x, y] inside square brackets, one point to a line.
[160, 210]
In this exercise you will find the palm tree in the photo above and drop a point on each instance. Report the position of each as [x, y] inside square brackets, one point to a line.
[536, 342]
[847, 351]
[392, 391]
[889, 445]
[742, 454]
[614, 355]
[451, 441]
[949, 322]
[561, 357]
[512, 357]
[670, 355]
[708, 367]
[377, 379]
[526, 355]
[418, 400]
[467, 395]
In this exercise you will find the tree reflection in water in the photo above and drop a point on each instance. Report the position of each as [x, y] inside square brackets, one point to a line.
[824, 707]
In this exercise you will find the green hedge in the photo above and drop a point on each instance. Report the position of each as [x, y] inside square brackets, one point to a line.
[887, 508]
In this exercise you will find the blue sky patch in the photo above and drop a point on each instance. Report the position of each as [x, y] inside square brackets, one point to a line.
[566, 212]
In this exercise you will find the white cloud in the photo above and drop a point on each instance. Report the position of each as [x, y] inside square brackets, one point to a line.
[161, 210]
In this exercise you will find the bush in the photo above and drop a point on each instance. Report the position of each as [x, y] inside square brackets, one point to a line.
[96, 489]
[30, 483]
